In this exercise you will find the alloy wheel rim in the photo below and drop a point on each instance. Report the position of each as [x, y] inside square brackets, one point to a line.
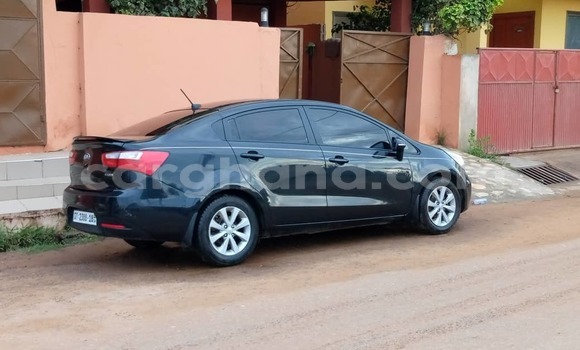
[441, 206]
[229, 231]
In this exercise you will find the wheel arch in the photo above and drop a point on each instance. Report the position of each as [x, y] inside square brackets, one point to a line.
[427, 179]
[253, 199]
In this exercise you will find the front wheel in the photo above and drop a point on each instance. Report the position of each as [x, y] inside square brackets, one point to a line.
[440, 206]
[227, 232]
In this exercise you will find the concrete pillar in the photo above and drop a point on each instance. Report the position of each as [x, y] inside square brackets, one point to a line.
[219, 9]
[469, 98]
[450, 102]
[278, 13]
[423, 119]
[101, 6]
[401, 16]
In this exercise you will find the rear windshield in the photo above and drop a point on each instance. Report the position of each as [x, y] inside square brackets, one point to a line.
[162, 123]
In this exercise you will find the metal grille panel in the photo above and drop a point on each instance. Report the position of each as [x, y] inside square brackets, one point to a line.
[528, 99]
[21, 106]
[374, 74]
[291, 63]
[547, 174]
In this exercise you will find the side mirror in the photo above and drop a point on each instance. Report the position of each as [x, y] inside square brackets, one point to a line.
[398, 148]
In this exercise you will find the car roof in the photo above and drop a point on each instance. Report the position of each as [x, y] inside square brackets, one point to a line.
[258, 103]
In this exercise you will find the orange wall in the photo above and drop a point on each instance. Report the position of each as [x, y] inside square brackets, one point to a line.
[450, 102]
[60, 38]
[134, 66]
[433, 91]
[422, 119]
[104, 72]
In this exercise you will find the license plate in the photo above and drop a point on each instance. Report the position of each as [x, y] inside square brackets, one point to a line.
[83, 217]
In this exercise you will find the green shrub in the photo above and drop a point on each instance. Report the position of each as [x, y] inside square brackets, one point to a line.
[481, 147]
[165, 8]
[39, 238]
[441, 138]
[446, 16]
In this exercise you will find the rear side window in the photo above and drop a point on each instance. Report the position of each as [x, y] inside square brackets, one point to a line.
[275, 125]
[163, 123]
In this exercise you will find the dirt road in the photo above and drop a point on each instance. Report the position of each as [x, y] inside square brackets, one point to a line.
[506, 277]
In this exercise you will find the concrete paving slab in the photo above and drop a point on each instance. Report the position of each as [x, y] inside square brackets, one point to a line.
[10, 207]
[520, 163]
[34, 156]
[8, 193]
[567, 159]
[497, 183]
[38, 181]
[35, 204]
[33, 188]
[55, 167]
[59, 188]
[3, 175]
[35, 191]
[23, 170]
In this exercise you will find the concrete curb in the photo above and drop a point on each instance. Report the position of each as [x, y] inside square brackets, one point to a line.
[45, 218]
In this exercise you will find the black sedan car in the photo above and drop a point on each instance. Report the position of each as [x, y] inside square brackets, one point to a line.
[218, 178]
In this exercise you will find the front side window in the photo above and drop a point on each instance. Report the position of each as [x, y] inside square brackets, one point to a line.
[276, 125]
[337, 128]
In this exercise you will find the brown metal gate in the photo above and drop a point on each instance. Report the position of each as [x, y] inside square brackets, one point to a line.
[374, 74]
[528, 99]
[291, 63]
[21, 90]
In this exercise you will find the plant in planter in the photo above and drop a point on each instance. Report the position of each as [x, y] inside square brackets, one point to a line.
[451, 17]
[467, 15]
[376, 18]
[165, 8]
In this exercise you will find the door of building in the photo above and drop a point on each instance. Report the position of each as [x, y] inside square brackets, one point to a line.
[514, 30]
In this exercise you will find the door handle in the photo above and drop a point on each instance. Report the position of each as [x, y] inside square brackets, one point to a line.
[253, 155]
[340, 160]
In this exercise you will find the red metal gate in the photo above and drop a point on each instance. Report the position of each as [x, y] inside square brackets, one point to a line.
[529, 99]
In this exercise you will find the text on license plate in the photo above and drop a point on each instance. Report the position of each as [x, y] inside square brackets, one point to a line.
[83, 217]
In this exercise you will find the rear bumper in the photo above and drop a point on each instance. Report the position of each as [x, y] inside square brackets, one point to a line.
[163, 215]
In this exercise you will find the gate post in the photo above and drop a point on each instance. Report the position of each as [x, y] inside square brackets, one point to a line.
[221, 9]
[401, 16]
[422, 119]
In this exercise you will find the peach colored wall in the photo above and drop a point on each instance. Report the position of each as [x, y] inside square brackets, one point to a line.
[423, 114]
[104, 72]
[134, 66]
[450, 102]
[61, 79]
[433, 92]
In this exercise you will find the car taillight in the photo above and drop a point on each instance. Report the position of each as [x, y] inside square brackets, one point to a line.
[72, 156]
[146, 162]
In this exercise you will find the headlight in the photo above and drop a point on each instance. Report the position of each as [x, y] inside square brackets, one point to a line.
[456, 157]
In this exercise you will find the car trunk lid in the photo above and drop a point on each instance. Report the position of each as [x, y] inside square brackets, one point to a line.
[87, 171]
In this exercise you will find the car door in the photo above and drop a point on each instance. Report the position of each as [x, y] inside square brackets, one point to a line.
[362, 182]
[279, 157]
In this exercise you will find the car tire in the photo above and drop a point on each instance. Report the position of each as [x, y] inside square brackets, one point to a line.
[227, 232]
[139, 244]
[440, 206]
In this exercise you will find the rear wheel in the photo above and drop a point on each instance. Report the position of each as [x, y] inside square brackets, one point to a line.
[144, 244]
[227, 232]
[440, 206]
